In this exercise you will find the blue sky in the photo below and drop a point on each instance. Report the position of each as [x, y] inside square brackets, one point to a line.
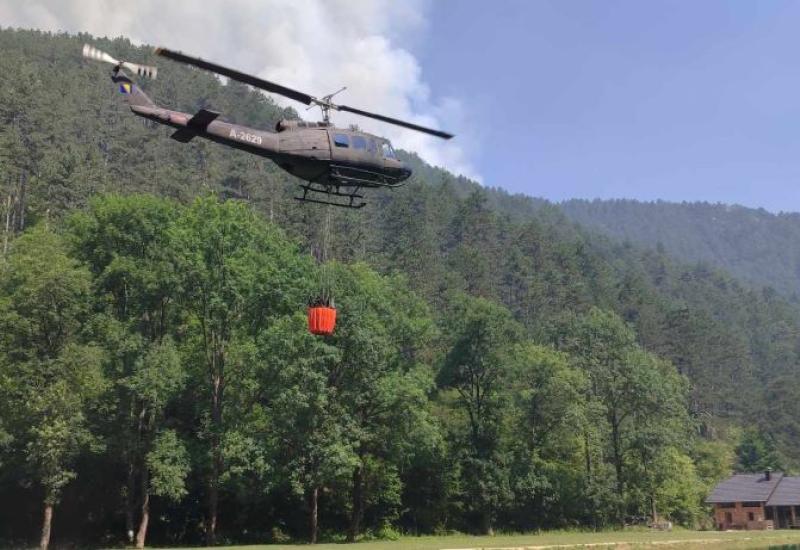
[673, 100]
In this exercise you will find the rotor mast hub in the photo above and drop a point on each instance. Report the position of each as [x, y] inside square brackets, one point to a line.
[325, 104]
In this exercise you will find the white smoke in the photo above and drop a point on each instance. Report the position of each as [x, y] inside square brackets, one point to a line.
[316, 46]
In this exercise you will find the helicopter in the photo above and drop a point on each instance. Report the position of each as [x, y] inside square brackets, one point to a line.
[335, 163]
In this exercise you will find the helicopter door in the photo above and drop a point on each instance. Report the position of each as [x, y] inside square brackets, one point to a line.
[350, 148]
[312, 144]
[360, 146]
[340, 146]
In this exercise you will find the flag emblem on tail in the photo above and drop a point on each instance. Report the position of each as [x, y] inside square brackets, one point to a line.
[125, 88]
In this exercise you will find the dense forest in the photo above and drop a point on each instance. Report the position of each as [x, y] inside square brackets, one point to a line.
[752, 244]
[494, 367]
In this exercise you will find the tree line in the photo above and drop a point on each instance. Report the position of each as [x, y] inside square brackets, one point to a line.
[159, 353]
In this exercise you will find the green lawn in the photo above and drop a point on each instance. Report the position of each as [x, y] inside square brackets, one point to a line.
[678, 539]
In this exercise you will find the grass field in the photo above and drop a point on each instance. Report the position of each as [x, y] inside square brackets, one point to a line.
[629, 539]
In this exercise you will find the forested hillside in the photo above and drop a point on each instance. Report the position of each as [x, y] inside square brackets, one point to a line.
[495, 366]
[752, 244]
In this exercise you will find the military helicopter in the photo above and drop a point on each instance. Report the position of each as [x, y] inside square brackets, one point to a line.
[336, 163]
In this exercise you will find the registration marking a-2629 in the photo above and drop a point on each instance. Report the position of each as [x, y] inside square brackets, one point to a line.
[245, 136]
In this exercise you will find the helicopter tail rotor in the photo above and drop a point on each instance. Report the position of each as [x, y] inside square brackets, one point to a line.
[90, 52]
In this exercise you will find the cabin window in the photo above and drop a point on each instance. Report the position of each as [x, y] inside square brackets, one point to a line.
[387, 150]
[359, 142]
[371, 147]
[727, 505]
[751, 516]
[341, 140]
[751, 505]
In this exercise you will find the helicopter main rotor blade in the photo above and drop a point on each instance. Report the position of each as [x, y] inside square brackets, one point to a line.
[236, 75]
[404, 124]
[268, 86]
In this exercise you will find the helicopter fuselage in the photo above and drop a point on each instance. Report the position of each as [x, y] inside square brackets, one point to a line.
[335, 162]
[307, 150]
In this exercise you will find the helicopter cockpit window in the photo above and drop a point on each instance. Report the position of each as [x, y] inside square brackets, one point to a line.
[371, 147]
[341, 140]
[387, 150]
[359, 142]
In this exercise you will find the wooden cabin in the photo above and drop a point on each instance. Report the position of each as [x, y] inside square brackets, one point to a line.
[783, 506]
[757, 501]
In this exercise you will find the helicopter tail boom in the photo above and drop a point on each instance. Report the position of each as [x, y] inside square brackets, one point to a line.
[205, 124]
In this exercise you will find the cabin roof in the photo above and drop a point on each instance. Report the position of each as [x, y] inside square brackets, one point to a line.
[745, 488]
[787, 493]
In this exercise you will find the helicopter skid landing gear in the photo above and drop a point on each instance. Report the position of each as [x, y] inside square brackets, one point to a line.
[355, 176]
[353, 198]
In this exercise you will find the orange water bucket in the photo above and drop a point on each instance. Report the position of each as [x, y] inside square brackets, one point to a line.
[321, 320]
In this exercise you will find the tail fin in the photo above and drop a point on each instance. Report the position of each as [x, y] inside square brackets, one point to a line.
[133, 94]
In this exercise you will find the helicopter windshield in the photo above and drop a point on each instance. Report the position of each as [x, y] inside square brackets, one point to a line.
[388, 151]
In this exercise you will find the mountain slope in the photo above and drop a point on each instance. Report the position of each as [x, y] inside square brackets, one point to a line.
[753, 244]
[62, 145]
